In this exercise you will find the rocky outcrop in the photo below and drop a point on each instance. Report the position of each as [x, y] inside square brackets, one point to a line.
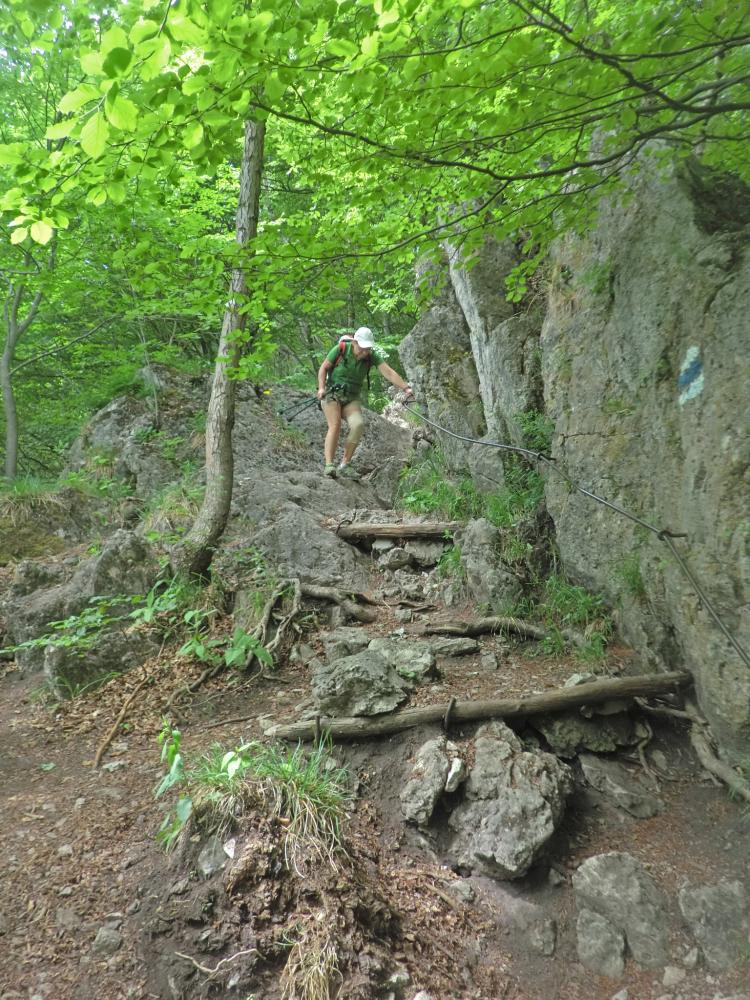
[645, 375]
[642, 366]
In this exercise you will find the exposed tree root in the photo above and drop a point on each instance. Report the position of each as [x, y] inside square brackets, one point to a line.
[343, 599]
[700, 737]
[516, 626]
[701, 740]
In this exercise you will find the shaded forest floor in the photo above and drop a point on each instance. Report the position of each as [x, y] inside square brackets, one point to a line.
[79, 849]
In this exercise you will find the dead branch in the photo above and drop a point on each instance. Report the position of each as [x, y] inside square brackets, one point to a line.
[212, 972]
[555, 700]
[343, 599]
[516, 626]
[104, 745]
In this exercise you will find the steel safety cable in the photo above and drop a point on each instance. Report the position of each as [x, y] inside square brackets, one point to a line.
[663, 534]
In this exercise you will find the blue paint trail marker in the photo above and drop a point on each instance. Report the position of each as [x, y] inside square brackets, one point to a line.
[690, 380]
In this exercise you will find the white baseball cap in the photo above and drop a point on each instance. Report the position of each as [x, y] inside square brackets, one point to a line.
[364, 337]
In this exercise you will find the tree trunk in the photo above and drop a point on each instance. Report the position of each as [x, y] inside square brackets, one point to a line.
[14, 330]
[195, 553]
[9, 402]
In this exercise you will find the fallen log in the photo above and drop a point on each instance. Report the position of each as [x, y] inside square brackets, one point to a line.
[343, 599]
[361, 530]
[555, 700]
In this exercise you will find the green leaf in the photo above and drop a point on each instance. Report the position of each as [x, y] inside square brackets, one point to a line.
[117, 61]
[194, 84]
[143, 29]
[96, 196]
[192, 135]
[60, 130]
[121, 113]
[47, 767]
[117, 192]
[19, 235]
[388, 17]
[41, 233]
[91, 63]
[370, 46]
[342, 47]
[94, 135]
[114, 38]
[274, 88]
[11, 153]
[76, 99]
[182, 29]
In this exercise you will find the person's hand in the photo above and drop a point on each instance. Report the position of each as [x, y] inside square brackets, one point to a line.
[321, 393]
[409, 395]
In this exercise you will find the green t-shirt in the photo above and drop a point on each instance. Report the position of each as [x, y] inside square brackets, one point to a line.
[350, 372]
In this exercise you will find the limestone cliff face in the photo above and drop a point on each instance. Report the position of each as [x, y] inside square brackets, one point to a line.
[645, 372]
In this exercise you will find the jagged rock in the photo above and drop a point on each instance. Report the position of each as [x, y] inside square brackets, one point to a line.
[568, 732]
[107, 941]
[601, 946]
[424, 553]
[295, 543]
[617, 887]
[489, 580]
[456, 774]
[437, 355]
[426, 782]
[413, 661]
[619, 786]
[718, 917]
[366, 683]
[344, 641]
[395, 558]
[212, 857]
[454, 647]
[514, 801]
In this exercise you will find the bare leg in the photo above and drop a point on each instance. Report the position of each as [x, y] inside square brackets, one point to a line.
[332, 413]
[352, 413]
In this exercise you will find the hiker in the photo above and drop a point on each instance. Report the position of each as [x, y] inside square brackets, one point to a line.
[341, 379]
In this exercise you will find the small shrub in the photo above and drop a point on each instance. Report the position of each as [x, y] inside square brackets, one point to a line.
[449, 564]
[25, 496]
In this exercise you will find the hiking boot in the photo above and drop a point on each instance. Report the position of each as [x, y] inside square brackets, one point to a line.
[330, 470]
[347, 472]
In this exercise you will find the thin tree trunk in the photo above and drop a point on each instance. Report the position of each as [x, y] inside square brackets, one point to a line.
[14, 330]
[195, 553]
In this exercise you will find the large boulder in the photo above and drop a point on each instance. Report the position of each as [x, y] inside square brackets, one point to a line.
[514, 801]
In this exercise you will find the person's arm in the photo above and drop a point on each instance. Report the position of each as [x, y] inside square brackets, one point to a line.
[322, 372]
[394, 378]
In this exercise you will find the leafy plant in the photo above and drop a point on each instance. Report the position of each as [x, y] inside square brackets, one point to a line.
[449, 564]
[537, 429]
[80, 632]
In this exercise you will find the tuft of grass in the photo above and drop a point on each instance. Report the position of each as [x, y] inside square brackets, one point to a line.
[27, 495]
[449, 565]
[307, 792]
[427, 488]
[312, 971]
[169, 515]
